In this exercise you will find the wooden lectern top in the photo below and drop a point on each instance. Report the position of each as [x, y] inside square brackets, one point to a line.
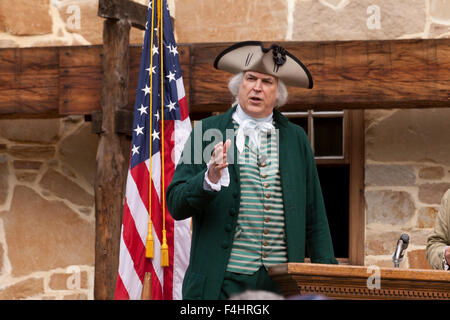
[360, 282]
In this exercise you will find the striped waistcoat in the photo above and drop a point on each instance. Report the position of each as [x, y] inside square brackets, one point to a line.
[260, 231]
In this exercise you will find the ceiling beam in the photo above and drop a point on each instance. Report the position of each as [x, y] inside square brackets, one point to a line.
[378, 74]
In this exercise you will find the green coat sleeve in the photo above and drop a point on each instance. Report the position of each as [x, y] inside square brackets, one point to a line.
[440, 238]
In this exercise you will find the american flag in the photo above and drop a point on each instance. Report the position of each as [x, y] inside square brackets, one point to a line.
[133, 264]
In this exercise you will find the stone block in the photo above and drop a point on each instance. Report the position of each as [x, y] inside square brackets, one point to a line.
[65, 188]
[438, 31]
[417, 259]
[25, 18]
[426, 217]
[35, 152]
[418, 237]
[79, 150]
[80, 17]
[69, 281]
[431, 173]
[228, 20]
[76, 296]
[389, 175]
[389, 207]
[380, 242]
[410, 135]
[27, 164]
[25, 130]
[23, 289]
[26, 176]
[357, 20]
[432, 193]
[440, 11]
[380, 262]
[43, 235]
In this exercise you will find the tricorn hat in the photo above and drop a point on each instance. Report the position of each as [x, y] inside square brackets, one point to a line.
[276, 61]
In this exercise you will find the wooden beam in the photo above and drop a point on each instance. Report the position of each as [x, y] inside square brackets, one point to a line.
[58, 81]
[111, 164]
[347, 75]
[134, 13]
[29, 81]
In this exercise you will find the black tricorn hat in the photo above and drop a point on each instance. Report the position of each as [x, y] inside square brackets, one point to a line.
[275, 60]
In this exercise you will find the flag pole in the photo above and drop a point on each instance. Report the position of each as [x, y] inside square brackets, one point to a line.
[149, 252]
[147, 288]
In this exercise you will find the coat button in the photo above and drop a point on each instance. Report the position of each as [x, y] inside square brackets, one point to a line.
[224, 245]
[232, 212]
[228, 227]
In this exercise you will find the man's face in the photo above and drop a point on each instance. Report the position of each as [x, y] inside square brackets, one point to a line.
[258, 93]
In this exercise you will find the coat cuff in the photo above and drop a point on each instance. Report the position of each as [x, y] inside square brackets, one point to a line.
[198, 196]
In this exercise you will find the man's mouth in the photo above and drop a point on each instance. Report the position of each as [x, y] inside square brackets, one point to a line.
[255, 99]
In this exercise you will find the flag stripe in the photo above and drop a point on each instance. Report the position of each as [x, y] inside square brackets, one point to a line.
[181, 254]
[121, 291]
[128, 274]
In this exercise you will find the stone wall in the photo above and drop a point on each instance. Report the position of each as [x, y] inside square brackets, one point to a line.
[407, 172]
[47, 223]
[47, 166]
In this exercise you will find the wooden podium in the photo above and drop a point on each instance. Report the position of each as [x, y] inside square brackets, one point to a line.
[360, 282]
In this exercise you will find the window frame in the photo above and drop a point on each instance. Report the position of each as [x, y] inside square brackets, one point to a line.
[354, 157]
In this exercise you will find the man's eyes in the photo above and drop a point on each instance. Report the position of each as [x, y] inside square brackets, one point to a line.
[267, 81]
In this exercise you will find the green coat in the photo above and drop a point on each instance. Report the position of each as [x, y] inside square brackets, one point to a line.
[214, 214]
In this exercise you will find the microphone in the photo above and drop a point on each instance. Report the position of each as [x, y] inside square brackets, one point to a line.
[402, 244]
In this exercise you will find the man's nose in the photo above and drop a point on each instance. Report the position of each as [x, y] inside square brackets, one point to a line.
[257, 86]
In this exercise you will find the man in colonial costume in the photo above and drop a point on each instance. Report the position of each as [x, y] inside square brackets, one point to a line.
[256, 199]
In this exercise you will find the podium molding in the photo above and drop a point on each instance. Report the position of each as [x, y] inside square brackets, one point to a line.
[361, 282]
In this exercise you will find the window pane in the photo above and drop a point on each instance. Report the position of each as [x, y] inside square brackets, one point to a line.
[328, 137]
[302, 122]
[335, 183]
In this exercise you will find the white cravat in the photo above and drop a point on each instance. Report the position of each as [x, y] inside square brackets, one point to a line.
[251, 127]
[247, 126]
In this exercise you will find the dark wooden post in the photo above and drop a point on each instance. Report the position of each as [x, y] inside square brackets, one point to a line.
[111, 164]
